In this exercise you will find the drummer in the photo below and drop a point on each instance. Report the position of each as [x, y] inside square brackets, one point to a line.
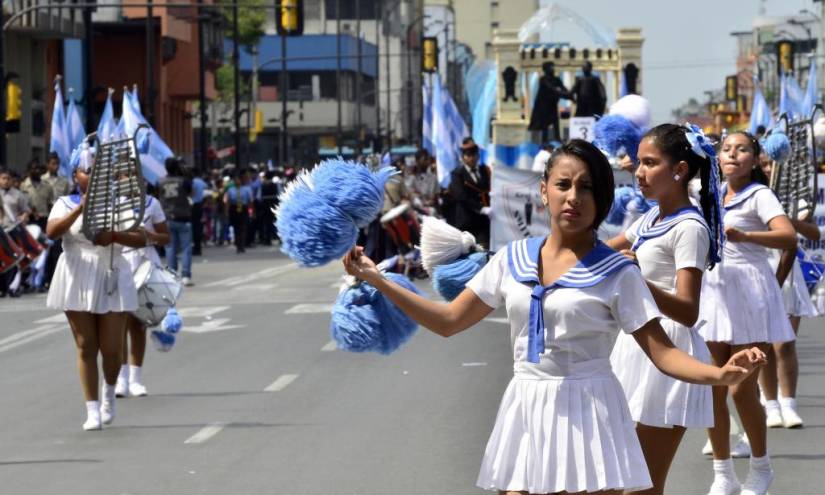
[15, 210]
[129, 380]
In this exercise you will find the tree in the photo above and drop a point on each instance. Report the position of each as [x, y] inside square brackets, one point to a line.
[251, 20]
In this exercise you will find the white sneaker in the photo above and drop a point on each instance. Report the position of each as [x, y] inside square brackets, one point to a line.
[722, 486]
[92, 422]
[773, 414]
[107, 405]
[739, 447]
[187, 282]
[122, 386]
[757, 482]
[790, 418]
[137, 390]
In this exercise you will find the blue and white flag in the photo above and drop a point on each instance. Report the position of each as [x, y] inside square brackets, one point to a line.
[427, 116]
[153, 162]
[810, 97]
[790, 96]
[59, 139]
[107, 125]
[482, 111]
[75, 132]
[448, 130]
[760, 111]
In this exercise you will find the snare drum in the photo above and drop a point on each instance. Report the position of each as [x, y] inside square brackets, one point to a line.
[10, 253]
[158, 290]
[31, 248]
[402, 227]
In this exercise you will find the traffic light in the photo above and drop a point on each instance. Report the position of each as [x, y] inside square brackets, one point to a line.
[429, 54]
[290, 18]
[785, 55]
[257, 126]
[14, 107]
[731, 88]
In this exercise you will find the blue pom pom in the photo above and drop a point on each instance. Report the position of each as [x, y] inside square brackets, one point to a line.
[616, 135]
[172, 323]
[451, 278]
[163, 341]
[352, 188]
[623, 198]
[777, 146]
[364, 320]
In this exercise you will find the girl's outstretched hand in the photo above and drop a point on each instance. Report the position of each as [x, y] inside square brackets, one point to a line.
[357, 264]
[740, 365]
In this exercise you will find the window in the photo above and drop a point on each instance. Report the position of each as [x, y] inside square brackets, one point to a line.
[368, 9]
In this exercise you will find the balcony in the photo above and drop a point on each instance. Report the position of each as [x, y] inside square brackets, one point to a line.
[47, 23]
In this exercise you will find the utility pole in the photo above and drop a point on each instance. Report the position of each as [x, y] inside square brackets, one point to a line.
[377, 134]
[236, 112]
[87, 67]
[282, 154]
[358, 79]
[202, 165]
[338, 134]
[3, 89]
[387, 83]
[150, 62]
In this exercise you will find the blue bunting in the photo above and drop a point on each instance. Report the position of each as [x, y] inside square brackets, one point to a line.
[320, 212]
[451, 278]
[777, 146]
[364, 320]
[617, 135]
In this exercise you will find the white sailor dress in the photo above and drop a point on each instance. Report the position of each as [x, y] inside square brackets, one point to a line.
[741, 300]
[80, 277]
[563, 423]
[662, 248]
[152, 215]
[794, 290]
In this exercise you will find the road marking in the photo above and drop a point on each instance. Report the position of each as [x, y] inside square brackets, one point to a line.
[200, 311]
[58, 318]
[26, 336]
[216, 325]
[499, 320]
[308, 308]
[255, 287]
[330, 346]
[206, 433]
[470, 365]
[242, 279]
[281, 383]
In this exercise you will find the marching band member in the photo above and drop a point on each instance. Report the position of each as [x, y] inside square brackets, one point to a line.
[743, 307]
[80, 288]
[673, 243]
[563, 424]
[129, 380]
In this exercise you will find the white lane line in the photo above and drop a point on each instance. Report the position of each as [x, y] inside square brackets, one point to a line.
[200, 311]
[27, 336]
[242, 279]
[470, 365]
[206, 433]
[498, 320]
[255, 287]
[58, 318]
[281, 383]
[330, 346]
[308, 308]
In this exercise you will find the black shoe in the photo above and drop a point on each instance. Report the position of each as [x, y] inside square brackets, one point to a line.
[15, 293]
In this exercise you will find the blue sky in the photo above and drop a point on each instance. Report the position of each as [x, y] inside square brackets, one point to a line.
[688, 48]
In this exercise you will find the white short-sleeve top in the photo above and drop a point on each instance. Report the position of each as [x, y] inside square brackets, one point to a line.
[74, 242]
[152, 215]
[683, 245]
[750, 210]
[580, 323]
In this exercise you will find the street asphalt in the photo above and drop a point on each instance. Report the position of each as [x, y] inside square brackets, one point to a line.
[255, 399]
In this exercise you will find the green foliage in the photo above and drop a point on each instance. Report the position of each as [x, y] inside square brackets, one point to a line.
[224, 83]
[251, 20]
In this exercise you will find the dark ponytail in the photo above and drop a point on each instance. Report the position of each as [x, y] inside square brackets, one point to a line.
[672, 141]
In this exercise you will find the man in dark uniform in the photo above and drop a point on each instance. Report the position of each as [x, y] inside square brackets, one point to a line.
[546, 109]
[470, 192]
[588, 91]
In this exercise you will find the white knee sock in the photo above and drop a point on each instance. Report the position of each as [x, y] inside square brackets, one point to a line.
[134, 374]
[124, 372]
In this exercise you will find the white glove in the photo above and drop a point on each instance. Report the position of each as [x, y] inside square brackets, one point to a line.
[485, 210]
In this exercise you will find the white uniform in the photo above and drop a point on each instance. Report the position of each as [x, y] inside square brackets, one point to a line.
[563, 423]
[741, 300]
[794, 290]
[153, 215]
[79, 281]
[654, 398]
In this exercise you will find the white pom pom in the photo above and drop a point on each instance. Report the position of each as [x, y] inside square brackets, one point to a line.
[634, 108]
[442, 243]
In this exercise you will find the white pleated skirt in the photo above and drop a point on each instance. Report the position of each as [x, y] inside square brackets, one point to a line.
[80, 281]
[554, 435]
[795, 294]
[742, 304]
[655, 399]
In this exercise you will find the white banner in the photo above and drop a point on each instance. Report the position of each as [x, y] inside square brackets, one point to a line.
[517, 210]
[582, 128]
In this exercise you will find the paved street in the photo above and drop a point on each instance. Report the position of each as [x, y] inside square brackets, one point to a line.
[254, 399]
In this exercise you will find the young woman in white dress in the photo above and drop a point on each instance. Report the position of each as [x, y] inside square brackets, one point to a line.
[82, 288]
[743, 306]
[673, 243]
[129, 380]
[563, 425]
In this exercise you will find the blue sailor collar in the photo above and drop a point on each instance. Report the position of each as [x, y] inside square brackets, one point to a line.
[72, 199]
[650, 227]
[742, 195]
[523, 260]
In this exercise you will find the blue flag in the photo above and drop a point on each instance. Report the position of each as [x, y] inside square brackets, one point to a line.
[107, 125]
[760, 111]
[810, 98]
[75, 132]
[153, 161]
[427, 116]
[59, 140]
